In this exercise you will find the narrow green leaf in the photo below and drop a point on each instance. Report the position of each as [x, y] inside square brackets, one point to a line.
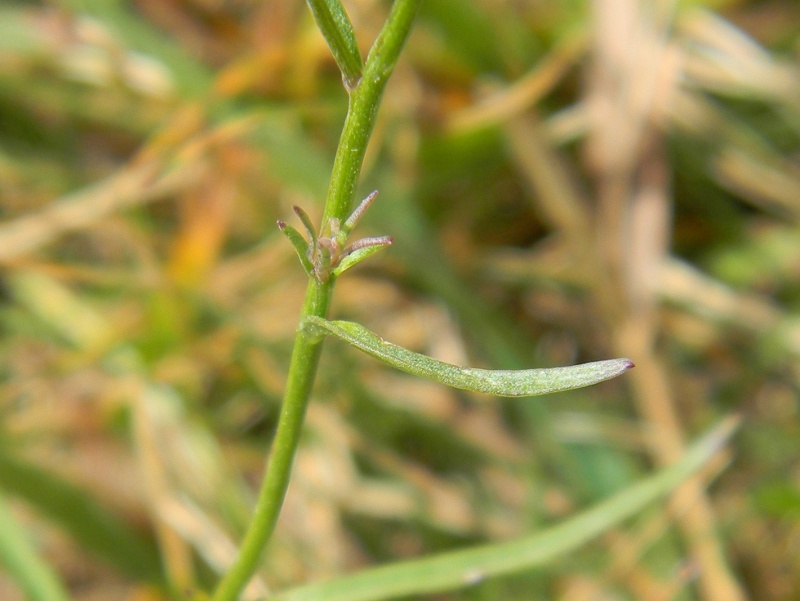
[299, 243]
[460, 569]
[524, 382]
[338, 32]
[352, 221]
[308, 225]
[19, 559]
[371, 246]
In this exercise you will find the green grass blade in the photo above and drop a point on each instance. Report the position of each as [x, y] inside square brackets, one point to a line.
[512, 383]
[19, 559]
[460, 569]
[95, 528]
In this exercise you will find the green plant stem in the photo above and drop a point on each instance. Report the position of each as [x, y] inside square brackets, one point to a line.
[305, 358]
[362, 110]
[364, 102]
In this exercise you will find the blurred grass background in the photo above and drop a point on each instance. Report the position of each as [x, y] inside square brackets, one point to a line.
[565, 181]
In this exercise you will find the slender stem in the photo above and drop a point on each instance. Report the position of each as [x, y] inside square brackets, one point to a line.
[363, 107]
[302, 370]
[364, 102]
